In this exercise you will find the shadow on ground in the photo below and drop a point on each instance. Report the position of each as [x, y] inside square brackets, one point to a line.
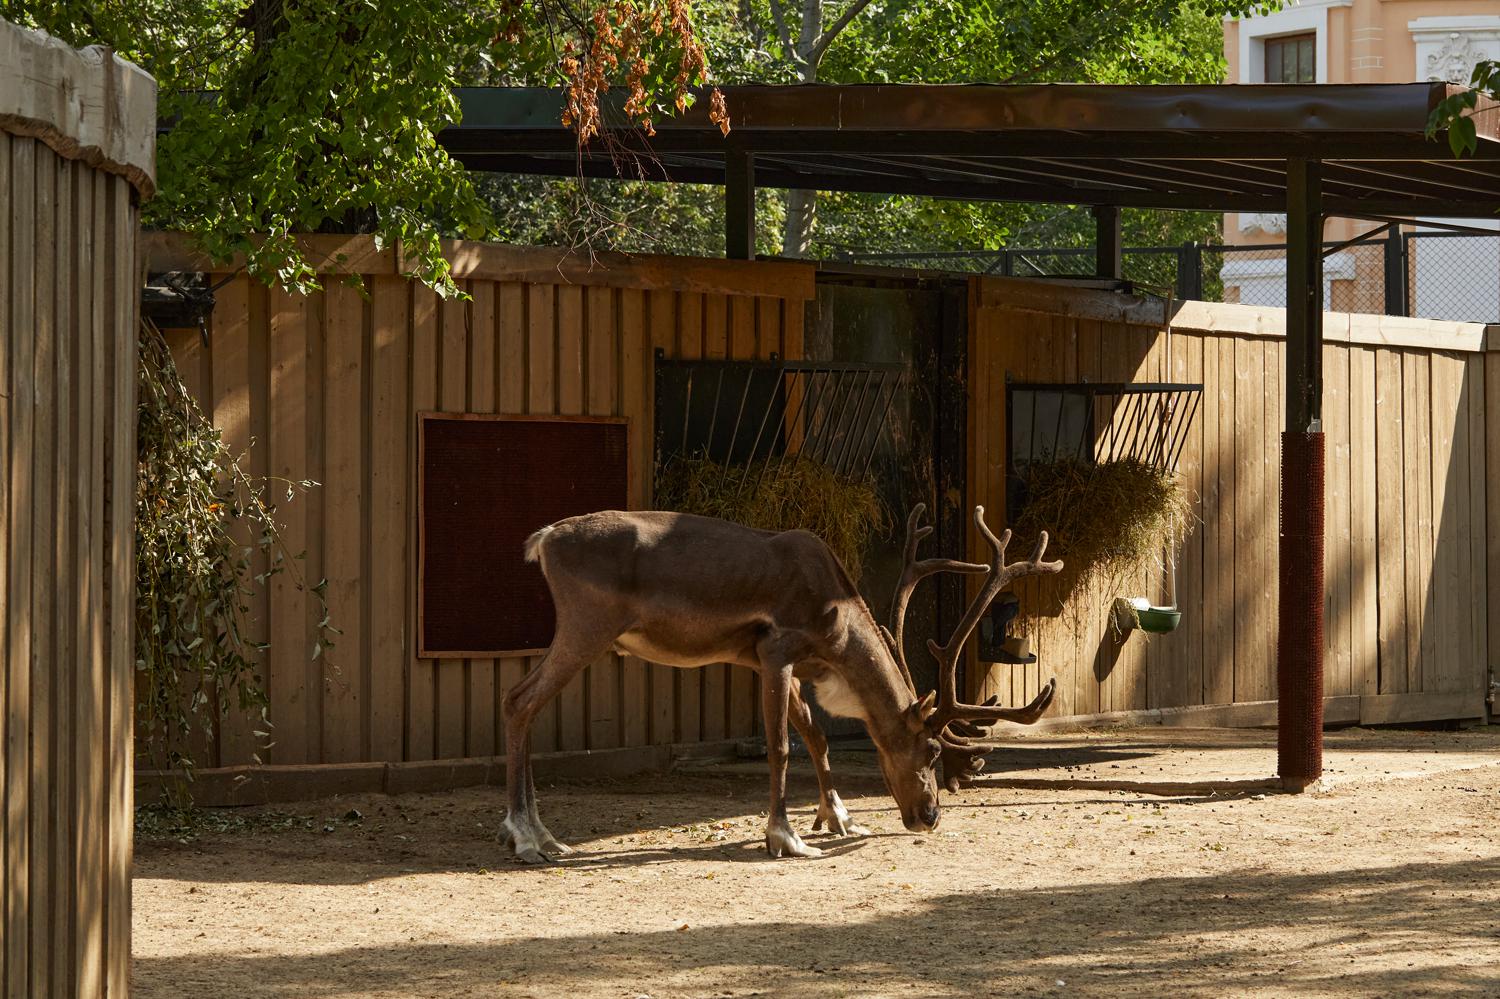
[1206, 935]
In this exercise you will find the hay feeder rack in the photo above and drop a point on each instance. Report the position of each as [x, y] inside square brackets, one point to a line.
[1095, 423]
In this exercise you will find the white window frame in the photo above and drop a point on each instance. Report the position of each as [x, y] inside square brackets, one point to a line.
[1308, 16]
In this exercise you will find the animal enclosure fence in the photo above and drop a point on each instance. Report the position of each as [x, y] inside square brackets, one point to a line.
[1410, 419]
[329, 387]
[76, 140]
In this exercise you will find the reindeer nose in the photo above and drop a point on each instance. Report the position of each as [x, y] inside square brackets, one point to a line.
[930, 816]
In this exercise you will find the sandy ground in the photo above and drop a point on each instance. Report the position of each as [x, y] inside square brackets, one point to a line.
[1037, 881]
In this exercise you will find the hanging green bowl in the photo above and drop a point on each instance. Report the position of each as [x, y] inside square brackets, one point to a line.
[1159, 620]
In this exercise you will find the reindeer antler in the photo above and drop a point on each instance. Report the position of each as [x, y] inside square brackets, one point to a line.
[949, 708]
[912, 573]
[962, 755]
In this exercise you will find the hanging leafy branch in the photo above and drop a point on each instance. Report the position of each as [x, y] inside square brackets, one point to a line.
[294, 116]
[1456, 113]
[195, 657]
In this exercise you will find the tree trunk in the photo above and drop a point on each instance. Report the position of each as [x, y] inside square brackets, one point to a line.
[801, 206]
[797, 234]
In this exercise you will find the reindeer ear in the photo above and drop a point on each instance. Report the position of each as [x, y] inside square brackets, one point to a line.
[922, 710]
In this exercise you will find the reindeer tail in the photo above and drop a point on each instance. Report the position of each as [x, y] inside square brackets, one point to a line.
[533, 546]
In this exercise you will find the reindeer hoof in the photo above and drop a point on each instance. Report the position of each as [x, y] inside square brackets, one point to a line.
[780, 839]
[533, 857]
[833, 814]
[552, 847]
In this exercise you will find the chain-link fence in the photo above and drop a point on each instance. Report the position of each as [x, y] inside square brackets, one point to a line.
[1435, 275]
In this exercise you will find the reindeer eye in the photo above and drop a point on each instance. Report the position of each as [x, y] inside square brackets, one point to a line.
[934, 749]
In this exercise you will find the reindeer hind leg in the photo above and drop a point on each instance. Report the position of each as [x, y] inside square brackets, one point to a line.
[572, 650]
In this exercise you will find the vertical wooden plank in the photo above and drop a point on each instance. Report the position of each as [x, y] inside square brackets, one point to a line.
[389, 471]
[124, 291]
[1218, 551]
[1476, 674]
[89, 747]
[229, 408]
[421, 674]
[1253, 535]
[345, 673]
[311, 566]
[634, 372]
[44, 570]
[661, 681]
[482, 726]
[21, 405]
[286, 681]
[572, 702]
[1417, 476]
[450, 726]
[64, 664]
[542, 398]
[7, 334]
[690, 682]
[1364, 556]
[1448, 584]
[510, 397]
[1390, 522]
[1426, 534]
[1338, 524]
[1270, 484]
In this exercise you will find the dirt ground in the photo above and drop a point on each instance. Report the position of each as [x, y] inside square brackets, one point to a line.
[1055, 874]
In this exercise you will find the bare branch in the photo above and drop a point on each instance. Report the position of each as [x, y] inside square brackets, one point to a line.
[782, 33]
[826, 39]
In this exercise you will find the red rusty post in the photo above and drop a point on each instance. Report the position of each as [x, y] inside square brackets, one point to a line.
[1299, 643]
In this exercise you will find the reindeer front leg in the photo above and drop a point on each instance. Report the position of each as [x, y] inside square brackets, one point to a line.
[776, 693]
[831, 810]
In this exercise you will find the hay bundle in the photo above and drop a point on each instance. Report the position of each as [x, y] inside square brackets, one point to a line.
[1110, 522]
[779, 495]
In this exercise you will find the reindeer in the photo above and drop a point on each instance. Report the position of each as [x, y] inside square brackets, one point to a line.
[689, 591]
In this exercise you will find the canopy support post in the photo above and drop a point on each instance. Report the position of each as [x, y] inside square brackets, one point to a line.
[739, 205]
[1109, 261]
[1299, 646]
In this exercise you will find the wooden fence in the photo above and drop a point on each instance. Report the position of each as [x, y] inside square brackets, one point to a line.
[1410, 460]
[76, 140]
[328, 386]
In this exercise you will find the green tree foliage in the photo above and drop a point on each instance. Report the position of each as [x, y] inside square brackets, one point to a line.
[895, 41]
[291, 116]
[1456, 114]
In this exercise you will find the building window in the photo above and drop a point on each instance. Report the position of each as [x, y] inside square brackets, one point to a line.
[1292, 59]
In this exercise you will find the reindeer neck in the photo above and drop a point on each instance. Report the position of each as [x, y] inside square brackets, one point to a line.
[869, 669]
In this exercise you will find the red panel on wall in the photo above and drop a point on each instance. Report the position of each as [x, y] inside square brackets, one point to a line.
[488, 482]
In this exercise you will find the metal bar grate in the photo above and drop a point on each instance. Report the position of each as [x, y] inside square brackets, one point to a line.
[749, 414]
[1095, 423]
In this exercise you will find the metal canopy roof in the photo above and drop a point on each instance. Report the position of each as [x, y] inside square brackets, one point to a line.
[1221, 147]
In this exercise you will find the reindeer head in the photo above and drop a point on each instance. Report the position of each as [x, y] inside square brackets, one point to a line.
[939, 726]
